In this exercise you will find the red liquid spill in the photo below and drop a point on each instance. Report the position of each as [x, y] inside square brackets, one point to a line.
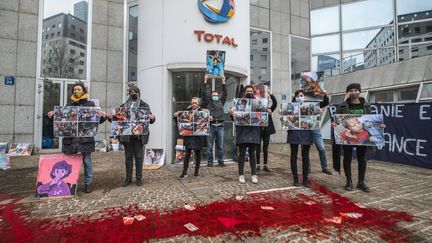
[320, 215]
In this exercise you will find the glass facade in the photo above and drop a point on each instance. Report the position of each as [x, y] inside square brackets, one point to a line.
[368, 35]
[133, 44]
[260, 56]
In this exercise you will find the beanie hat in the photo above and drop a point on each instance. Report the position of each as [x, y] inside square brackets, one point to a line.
[353, 86]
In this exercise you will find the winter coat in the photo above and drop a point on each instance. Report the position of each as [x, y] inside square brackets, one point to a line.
[344, 107]
[247, 134]
[302, 137]
[73, 145]
[192, 142]
[143, 138]
[270, 129]
[216, 108]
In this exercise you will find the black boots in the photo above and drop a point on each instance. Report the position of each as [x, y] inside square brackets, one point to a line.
[296, 181]
[349, 185]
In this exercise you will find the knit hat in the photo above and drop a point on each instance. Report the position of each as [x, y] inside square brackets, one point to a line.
[353, 86]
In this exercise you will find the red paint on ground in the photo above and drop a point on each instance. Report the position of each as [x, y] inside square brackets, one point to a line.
[305, 214]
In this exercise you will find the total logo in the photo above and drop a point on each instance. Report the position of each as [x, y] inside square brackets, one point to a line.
[216, 15]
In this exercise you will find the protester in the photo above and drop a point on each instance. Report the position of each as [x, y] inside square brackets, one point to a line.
[247, 137]
[83, 145]
[303, 138]
[215, 104]
[134, 144]
[319, 142]
[191, 143]
[354, 104]
[265, 133]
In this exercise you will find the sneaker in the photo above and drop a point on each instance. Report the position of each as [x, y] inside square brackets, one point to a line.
[209, 165]
[183, 176]
[127, 182]
[88, 188]
[327, 171]
[258, 169]
[242, 179]
[221, 165]
[266, 169]
[139, 182]
[254, 179]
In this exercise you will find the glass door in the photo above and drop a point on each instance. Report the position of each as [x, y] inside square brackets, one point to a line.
[52, 96]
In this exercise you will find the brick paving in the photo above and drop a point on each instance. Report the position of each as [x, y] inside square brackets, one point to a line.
[393, 187]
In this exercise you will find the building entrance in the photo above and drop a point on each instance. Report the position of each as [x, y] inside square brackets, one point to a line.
[187, 85]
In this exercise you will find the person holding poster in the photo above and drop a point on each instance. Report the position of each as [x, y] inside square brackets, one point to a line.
[247, 137]
[191, 143]
[266, 132]
[303, 138]
[215, 104]
[84, 145]
[354, 104]
[134, 144]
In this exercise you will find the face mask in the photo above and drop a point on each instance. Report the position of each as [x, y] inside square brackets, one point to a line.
[134, 96]
[78, 94]
[215, 98]
[299, 99]
[355, 95]
[250, 96]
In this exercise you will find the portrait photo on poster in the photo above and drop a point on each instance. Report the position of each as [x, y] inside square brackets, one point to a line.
[215, 64]
[300, 115]
[359, 129]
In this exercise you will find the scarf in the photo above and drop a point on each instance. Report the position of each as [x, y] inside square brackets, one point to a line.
[77, 100]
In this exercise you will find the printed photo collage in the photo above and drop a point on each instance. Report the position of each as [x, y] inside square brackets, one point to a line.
[251, 112]
[76, 121]
[359, 130]
[130, 121]
[300, 115]
[193, 123]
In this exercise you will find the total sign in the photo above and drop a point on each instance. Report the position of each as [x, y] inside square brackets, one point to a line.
[195, 26]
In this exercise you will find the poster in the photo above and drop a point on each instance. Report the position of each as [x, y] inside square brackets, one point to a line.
[3, 148]
[359, 129]
[58, 175]
[101, 145]
[153, 158]
[179, 157]
[20, 149]
[4, 161]
[215, 61]
[251, 112]
[76, 121]
[312, 84]
[261, 91]
[130, 121]
[300, 115]
[193, 123]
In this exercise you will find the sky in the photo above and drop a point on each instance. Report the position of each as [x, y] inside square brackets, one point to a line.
[53, 7]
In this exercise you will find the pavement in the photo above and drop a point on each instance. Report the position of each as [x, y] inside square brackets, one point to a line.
[396, 190]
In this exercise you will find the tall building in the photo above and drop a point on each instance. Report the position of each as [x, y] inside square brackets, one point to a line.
[64, 44]
[81, 10]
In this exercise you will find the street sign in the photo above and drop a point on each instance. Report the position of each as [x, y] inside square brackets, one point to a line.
[9, 80]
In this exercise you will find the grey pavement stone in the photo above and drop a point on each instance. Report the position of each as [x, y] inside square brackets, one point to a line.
[393, 187]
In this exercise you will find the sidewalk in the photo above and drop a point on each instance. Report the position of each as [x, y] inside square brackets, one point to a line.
[393, 187]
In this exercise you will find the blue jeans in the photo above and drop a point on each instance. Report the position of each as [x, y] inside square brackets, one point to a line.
[88, 168]
[319, 143]
[216, 133]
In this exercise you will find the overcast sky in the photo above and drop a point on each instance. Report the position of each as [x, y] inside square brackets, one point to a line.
[53, 7]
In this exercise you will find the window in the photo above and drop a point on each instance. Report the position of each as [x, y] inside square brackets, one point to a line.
[330, 14]
[53, 26]
[367, 39]
[71, 60]
[265, 49]
[80, 71]
[58, 33]
[426, 91]
[263, 71]
[260, 56]
[323, 44]
[251, 57]
[73, 27]
[408, 94]
[81, 62]
[46, 37]
[82, 54]
[81, 30]
[378, 12]
[72, 52]
[254, 42]
[48, 28]
[264, 40]
[300, 59]
[263, 58]
[133, 44]
[59, 25]
[52, 35]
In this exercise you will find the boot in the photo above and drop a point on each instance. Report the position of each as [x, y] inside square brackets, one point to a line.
[296, 181]
[349, 185]
[362, 186]
[305, 181]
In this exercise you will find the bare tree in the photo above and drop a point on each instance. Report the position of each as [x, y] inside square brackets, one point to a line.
[58, 62]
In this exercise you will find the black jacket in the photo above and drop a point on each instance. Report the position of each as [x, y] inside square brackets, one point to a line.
[145, 137]
[73, 145]
[216, 108]
[192, 142]
[247, 134]
[270, 129]
[344, 107]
